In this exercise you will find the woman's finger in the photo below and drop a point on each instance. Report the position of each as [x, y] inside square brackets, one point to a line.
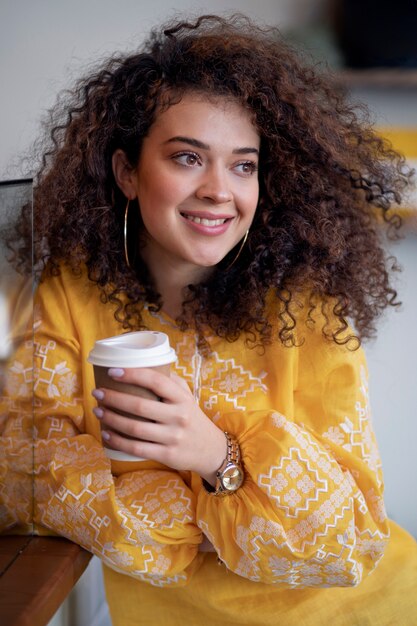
[160, 384]
[181, 382]
[131, 427]
[136, 447]
[128, 403]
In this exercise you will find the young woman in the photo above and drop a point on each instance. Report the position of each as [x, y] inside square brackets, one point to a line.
[213, 188]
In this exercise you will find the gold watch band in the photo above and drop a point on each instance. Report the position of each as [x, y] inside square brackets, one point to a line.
[233, 449]
[230, 473]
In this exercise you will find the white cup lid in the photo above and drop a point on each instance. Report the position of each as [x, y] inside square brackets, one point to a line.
[144, 348]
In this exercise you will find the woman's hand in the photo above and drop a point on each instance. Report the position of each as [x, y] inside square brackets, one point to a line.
[180, 434]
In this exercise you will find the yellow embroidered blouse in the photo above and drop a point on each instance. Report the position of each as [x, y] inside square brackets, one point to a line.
[310, 513]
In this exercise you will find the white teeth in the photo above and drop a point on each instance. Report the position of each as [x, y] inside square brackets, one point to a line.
[204, 221]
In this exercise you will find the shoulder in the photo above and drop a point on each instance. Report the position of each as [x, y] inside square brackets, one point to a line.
[69, 284]
[69, 298]
[69, 308]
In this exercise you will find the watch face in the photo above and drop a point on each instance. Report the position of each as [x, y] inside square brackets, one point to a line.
[232, 477]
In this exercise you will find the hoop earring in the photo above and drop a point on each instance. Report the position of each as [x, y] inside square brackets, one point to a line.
[125, 235]
[239, 251]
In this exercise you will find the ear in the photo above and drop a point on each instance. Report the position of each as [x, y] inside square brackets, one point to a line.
[124, 174]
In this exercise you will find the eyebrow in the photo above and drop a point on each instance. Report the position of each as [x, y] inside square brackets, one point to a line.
[204, 146]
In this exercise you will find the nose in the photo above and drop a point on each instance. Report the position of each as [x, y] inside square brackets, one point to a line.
[215, 186]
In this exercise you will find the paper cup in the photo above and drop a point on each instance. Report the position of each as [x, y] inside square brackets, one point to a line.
[137, 349]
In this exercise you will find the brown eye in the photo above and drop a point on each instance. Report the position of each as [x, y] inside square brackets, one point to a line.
[189, 159]
[247, 167]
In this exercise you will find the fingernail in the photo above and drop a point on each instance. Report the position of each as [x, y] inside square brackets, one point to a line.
[98, 412]
[105, 435]
[98, 394]
[116, 372]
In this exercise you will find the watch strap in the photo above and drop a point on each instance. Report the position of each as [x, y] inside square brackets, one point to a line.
[231, 461]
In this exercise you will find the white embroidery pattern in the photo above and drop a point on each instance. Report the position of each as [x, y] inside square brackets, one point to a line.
[308, 484]
[222, 380]
[230, 381]
[360, 439]
[60, 382]
[74, 514]
[295, 573]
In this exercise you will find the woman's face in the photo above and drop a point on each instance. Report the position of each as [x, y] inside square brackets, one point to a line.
[197, 182]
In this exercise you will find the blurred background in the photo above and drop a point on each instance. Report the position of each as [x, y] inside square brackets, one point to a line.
[372, 49]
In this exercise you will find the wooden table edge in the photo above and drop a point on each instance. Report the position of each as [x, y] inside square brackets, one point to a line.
[39, 579]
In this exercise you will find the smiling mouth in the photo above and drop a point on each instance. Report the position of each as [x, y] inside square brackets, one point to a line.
[204, 221]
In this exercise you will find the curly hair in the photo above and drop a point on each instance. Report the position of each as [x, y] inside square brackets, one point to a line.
[325, 177]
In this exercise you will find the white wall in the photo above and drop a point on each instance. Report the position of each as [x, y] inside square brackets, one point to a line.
[393, 388]
[86, 604]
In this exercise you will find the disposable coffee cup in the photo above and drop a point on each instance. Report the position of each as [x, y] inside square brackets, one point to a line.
[144, 348]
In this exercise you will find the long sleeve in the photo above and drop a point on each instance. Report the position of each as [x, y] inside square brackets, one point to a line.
[141, 522]
[310, 512]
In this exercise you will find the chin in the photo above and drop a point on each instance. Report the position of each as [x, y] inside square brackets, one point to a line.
[209, 263]
[207, 260]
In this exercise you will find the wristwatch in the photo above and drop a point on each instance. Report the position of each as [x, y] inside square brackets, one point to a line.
[230, 474]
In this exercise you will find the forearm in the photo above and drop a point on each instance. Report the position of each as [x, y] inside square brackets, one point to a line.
[141, 523]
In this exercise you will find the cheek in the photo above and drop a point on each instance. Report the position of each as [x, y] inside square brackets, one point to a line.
[156, 210]
[161, 193]
[251, 200]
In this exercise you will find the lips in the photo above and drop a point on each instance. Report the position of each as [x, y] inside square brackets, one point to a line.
[207, 224]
